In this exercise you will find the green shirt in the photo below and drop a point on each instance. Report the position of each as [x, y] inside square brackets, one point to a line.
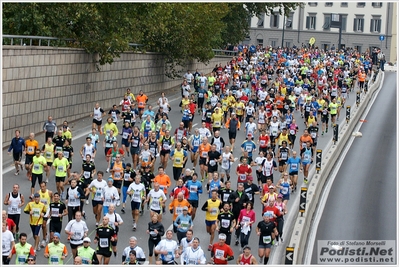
[38, 163]
[60, 167]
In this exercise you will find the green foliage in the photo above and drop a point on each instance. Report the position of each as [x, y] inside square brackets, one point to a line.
[182, 32]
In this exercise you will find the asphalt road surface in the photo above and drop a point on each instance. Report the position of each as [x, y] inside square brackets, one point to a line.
[361, 204]
[126, 229]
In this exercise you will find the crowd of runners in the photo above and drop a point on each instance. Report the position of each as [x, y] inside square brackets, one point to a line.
[269, 97]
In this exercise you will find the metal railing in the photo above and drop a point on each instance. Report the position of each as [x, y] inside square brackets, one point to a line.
[26, 40]
[51, 41]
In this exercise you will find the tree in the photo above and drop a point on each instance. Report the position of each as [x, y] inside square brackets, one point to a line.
[180, 31]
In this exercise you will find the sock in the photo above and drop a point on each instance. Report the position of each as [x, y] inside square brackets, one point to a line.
[115, 253]
[265, 260]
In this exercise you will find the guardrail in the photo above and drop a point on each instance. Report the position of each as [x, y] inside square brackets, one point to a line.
[302, 224]
[26, 40]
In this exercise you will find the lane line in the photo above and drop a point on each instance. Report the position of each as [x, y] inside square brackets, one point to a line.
[326, 192]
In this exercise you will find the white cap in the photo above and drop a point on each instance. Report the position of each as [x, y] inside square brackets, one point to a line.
[86, 239]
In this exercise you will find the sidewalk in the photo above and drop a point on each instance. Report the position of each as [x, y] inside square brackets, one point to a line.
[83, 125]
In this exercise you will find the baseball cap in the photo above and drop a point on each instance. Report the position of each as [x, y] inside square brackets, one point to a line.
[185, 208]
[188, 170]
[250, 178]
[249, 135]
[280, 196]
[233, 113]
[36, 195]
[271, 186]
[86, 239]
[57, 235]
[222, 236]
[110, 179]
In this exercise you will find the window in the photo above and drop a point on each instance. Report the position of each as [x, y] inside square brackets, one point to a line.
[287, 44]
[377, 4]
[274, 20]
[344, 4]
[326, 25]
[329, 4]
[273, 42]
[325, 47]
[312, 4]
[375, 25]
[261, 19]
[343, 22]
[361, 4]
[260, 41]
[358, 24]
[311, 22]
[358, 48]
[289, 20]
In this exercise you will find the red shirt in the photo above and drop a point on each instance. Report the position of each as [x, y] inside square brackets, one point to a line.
[224, 251]
[263, 140]
[243, 172]
[245, 98]
[192, 106]
[273, 210]
[10, 224]
[112, 150]
[177, 190]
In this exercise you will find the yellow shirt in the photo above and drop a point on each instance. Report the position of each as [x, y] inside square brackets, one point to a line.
[49, 152]
[38, 209]
[321, 103]
[184, 102]
[231, 100]
[217, 119]
[110, 126]
[240, 108]
[38, 163]
[311, 120]
[67, 134]
[213, 210]
[225, 104]
[45, 198]
[283, 91]
[178, 158]
[282, 138]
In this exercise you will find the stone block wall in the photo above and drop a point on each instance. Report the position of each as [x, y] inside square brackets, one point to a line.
[64, 83]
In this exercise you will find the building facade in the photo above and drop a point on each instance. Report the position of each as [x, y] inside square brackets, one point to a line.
[364, 25]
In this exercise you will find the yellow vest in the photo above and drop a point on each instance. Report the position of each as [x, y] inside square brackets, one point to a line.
[22, 253]
[49, 152]
[45, 198]
[213, 210]
[178, 158]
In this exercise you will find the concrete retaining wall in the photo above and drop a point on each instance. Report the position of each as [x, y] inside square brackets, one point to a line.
[65, 83]
[330, 156]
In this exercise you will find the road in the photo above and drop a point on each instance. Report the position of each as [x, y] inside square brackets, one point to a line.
[361, 204]
[83, 129]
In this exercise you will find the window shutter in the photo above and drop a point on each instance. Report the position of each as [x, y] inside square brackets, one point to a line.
[372, 25]
[307, 22]
[343, 23]
[379, 25]
[362, 25]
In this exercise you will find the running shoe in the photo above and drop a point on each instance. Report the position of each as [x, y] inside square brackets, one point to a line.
[87, 202]
[305, 180]
[43, 243]
[123, 210]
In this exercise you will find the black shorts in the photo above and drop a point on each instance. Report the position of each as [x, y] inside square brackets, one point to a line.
[98, 123]
[118, 184]
[293, 173]
[324, 119]
[193, 203]
[232, 135]
[212, 169]
[76, 246]
[55, 227]
[70, 166]
[186, 123]
[270, 176]
[49, 164]
[17, 156]
[216, 129]
[28, 159]
[164, 152]
[202, 161]
[59, 179]
[96, 202]
[282, 163]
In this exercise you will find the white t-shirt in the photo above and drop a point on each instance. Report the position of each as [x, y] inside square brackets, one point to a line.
[99, 186]
[112, 219]
[138, 190]
[6, 242]
[170, 246]
[155, 198]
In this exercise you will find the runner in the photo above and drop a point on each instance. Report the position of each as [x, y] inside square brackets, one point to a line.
[155, 231]
[156, 199]
[36, 210]
[86, 253]
[61, 165]
[37, 167]
[265, 230]
[193, 255]
[221, 253]
[245, 221]
[115, 221]
[97, 115]
[97, 187]
[48, 152]
[105, 235]
[137, 192]
[31, 146]
[246, 258]
[22, 250]
[165, 144]
[233, 124]
[56, 252]
[17, 146]
[168, 249]
[212, 207]
[306, 160]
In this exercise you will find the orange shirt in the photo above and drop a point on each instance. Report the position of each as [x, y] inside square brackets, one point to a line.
[141, 100]
[204, 149]
[305, 139]
[164, 182]
[362, 77]
[177, 207]
[279, 101]
[31, 147]
[117, 174]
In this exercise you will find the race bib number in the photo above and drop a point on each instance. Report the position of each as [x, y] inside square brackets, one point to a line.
[212, 162]
[294, 166]
[54, 260]
[55, 212]
[58, 149]
[226, 197]
[213, 211]
[36, 212]
[166, 146]
[31, 149]
[292, 132]
[125, 135]
[179, 210]
[225, 223]
[262, 142]
[204, 154]
[196, 143]
[217, 123]
[49, 155]
[103, 242]
[86, 174]
[126, 176]
[219, 253]
[193, 189]
[267, 239]
[60, 168]
[135, 142]
[284, 190]
[243, 177]
[66, 154]
[249, 148]
[36, 167]
[313, 135]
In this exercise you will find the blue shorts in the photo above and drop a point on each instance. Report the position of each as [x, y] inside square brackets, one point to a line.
[305, 163]
[286, 197]
[125, 142]
[135, 205]
[263, 246]
[35, 229]
[210, 223]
